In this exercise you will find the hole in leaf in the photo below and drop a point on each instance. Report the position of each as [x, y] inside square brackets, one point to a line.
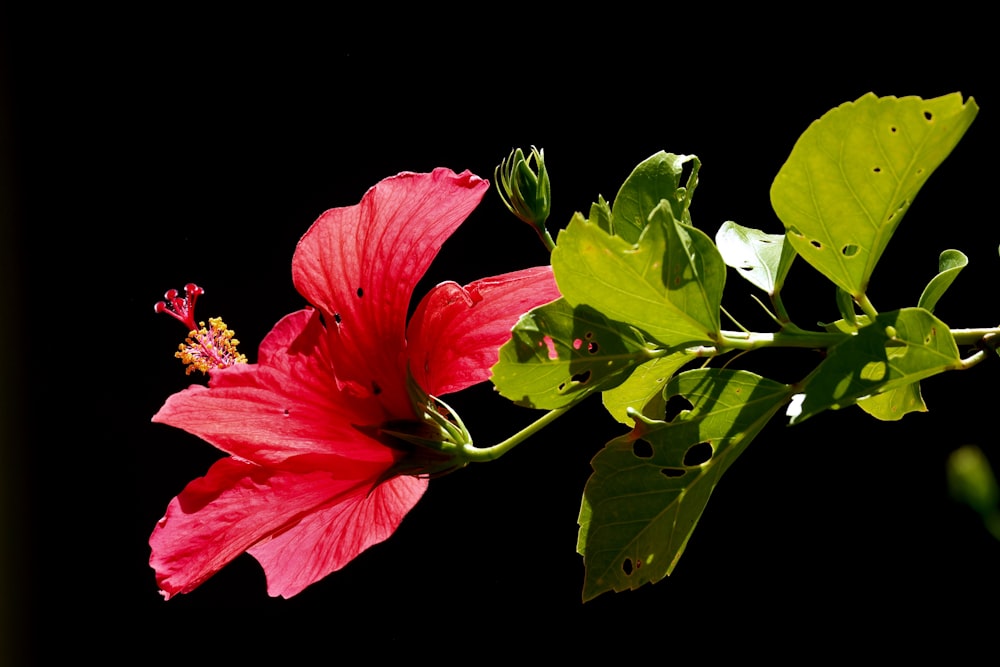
[638, 563]
[593, 347]
[642, 449]
[877, 170]
[816, 244]
[849, 250]
[577, 343]
[627, 567]
[582, 378]
[361, 292]
[794, 231]
[892, 128]
[676, 404]
[746, 268]
[928, 116]
[673, 472]
[698, 454]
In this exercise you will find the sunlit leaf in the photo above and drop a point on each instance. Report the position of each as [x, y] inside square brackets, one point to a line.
[950, 264]
[650, 486]
[763, 259]
[668, 284]
[897, 349]
[557, 354]
[854, 173]
[655, 179]
[893, 404]
[645, 384]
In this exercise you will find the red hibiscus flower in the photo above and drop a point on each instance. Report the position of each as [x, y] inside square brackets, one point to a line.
[314, 474]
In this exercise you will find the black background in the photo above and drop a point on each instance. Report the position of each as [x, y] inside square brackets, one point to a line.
[150, 151]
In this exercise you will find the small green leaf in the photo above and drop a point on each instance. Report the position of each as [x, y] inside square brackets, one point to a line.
[668, 284]
[600, 214]
[558, 354]
[650, 486]
[655, 179]
[893, 404]
[898, 348]
[853, 174]
[644, 385]
[950, 264]
[763, 259]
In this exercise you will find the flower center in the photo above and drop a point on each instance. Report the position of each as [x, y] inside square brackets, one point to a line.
[206, 347]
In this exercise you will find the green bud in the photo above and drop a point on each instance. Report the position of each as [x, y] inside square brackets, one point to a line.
[523, 184]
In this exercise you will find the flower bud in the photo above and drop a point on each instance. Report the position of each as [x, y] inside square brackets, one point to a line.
[523, 184]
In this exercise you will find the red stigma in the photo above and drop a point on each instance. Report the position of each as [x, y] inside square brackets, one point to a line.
[181, 308]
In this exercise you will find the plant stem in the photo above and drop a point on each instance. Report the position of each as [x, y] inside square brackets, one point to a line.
[475, 454]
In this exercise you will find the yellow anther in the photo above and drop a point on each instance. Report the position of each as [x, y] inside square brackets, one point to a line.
[210, 347]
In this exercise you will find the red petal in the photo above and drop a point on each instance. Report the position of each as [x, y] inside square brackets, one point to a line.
[456, 332]
[236, 505]
[287, 405]
[330, 538]
[360, 264]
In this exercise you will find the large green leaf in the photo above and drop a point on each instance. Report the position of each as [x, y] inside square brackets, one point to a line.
[853, 174]
[558, 354]
[655, 179]
[897, 349]
[669, 283]
[650, 486]
[763, 259]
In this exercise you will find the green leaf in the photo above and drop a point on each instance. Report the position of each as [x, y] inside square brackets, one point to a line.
[668, 284]
[893, 404]
[950, 264]
[763, 259]
[897, 349]
[853, 174]
[644, 385]
[558, 354]
[655, 179]
[650, 486]
[845, 304]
